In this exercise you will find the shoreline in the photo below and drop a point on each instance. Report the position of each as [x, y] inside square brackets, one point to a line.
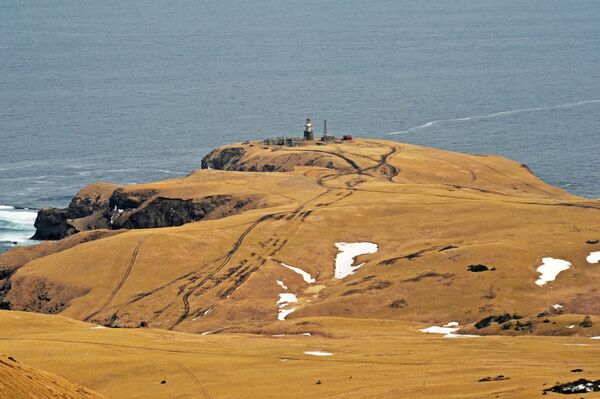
[16, 227]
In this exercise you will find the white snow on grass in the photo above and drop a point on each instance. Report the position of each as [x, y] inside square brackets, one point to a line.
[318, 353]
[97, 327]
[594, 257]
[281, 284]
[550, 269]
[596, 337]
[284, 300]
[203, 314]
[344, 260]
[557, 306]
[283, 313]
[207, 332]
[448, 330]
[452, 335]
[305, 276]
[440, 330]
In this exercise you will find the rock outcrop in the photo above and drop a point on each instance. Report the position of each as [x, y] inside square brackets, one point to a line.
[224, 159]
[166, 212]
[55, 223]
[105, 206]
[252, 157]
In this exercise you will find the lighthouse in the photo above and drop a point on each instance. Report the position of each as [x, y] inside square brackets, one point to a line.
[308, 130]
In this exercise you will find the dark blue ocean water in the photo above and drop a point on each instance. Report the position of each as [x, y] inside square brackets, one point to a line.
[137, 91]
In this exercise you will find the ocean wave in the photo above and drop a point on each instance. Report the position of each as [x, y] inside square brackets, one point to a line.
[20, 218]
[16, 225]
[20, 238]
[494, 115]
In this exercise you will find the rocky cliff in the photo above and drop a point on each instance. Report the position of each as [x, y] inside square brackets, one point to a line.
[129, 208]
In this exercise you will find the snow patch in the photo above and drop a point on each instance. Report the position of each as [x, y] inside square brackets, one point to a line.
[596, 337]
[440, 330]
[318, 353]
[284, 300]
[452, 335]
[594, 257]
[282, 285]
[550, 269]
[571, 326]
[344, 260]
[448, 330]
[557, 306]
[305, 276]
[97, 327]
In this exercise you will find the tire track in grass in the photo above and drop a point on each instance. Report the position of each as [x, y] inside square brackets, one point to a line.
[195, 380]
[123, 280]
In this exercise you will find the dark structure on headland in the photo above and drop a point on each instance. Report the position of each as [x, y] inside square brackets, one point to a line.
[309, 137]
[308, 130]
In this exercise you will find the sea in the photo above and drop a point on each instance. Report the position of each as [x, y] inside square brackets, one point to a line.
[136, 91]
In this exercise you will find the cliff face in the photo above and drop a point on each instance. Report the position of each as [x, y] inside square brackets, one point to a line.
[166, 212]
[254, 157]
[55, 224]
[132, 209]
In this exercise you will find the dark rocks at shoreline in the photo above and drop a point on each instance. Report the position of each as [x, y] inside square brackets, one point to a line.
[55, 223]
[52, 224]
[112, 207]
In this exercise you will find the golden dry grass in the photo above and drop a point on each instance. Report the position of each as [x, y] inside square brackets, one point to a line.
[18, 381]
[432, 213]
[371, 359]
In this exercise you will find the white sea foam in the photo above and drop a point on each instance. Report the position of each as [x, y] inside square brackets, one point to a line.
[494, 115]
[305, 276]
[593, 257]
[16, 225]
[19, 218]
[344, 261]
[550, 269]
